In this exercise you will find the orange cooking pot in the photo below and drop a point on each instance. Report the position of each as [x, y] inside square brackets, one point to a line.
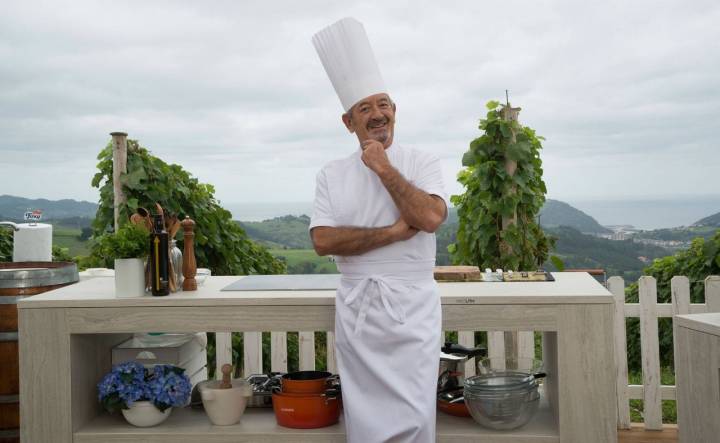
[305, 382]
[452, 402]
[306, 411]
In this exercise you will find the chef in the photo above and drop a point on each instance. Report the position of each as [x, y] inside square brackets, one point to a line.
[376, 211]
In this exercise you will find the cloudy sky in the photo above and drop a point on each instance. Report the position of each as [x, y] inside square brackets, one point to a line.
[627, 94]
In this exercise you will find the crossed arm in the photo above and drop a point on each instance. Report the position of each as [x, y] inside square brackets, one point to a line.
[419, 211]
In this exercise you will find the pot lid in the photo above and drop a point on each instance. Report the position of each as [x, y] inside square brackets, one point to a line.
[452, 357]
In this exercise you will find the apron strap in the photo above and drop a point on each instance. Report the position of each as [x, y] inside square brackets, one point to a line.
[362, 293]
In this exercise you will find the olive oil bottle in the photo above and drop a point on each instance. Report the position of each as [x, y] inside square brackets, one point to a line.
[159, 258]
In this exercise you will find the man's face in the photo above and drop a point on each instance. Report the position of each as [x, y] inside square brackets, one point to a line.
[372, 118]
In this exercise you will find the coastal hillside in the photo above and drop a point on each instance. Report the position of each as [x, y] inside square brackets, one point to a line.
[12, 208]
[556, 213]
[710, 221]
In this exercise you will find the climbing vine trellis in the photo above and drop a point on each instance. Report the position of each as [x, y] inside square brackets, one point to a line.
[504, 192]
[221, 244]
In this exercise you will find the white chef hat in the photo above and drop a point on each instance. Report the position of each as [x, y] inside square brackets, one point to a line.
[345, 52]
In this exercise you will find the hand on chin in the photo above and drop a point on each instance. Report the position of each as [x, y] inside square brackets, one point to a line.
[374, 156]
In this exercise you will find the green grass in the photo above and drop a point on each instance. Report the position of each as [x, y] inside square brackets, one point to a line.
[669, 407]
[305, 261]
[69, 238]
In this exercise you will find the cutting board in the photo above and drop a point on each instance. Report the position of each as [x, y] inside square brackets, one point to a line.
[457, 273]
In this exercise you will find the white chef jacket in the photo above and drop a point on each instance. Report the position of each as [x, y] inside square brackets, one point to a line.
[387, 318]
[348, 193]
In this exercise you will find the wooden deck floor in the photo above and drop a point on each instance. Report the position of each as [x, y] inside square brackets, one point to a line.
[639, 435]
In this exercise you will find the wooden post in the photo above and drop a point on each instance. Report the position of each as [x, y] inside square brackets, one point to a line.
[223, 352]
[650, 353]
[617, 288]
[331, 361]
[252, 353]
[278, 351]
[306, 345]
[712, 293]
[119, 144]
[510, 114]
[511, 337]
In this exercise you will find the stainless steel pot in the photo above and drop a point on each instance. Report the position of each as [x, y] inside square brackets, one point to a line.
[452, 360]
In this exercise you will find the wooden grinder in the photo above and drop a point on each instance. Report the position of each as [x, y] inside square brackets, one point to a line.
[189, 266]
[226, 370]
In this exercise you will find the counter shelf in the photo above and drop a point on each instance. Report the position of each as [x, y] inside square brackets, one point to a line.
[66, 336]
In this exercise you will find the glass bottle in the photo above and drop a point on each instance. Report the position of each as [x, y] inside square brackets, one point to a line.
[177, 259]
[159, 259]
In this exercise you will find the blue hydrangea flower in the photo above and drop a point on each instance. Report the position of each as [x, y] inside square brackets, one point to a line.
[165, 385]
[122, 386]
[168, 386]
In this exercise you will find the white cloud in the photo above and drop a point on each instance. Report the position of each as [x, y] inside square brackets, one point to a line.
[626, 94]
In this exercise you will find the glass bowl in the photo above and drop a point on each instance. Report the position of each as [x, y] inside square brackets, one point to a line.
[502, 411]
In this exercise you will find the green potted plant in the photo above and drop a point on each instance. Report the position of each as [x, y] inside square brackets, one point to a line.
[128, 247]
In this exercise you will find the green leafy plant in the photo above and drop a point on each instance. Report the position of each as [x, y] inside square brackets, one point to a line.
[6, 244]
[130, 241]
[220, 243]
[557, 262]
[503, 181]
[61, 254]
[697, 262]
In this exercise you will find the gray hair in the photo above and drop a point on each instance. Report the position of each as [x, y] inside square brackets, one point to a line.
[349, 112]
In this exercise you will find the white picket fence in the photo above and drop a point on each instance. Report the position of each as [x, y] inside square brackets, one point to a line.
[648, 310]
[652, 392]
[253, 359]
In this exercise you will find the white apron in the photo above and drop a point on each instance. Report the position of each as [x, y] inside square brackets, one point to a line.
[387, 343]
[387, 317]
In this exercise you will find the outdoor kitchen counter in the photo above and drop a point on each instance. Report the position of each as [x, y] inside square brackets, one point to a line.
[66, 334]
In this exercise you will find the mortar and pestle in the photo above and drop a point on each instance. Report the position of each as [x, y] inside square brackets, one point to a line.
[223, 400]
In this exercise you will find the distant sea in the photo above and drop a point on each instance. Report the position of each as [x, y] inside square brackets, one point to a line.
[643, 214]
[651, 213]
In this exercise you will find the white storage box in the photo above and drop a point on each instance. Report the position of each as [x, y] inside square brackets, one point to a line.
[188, 351]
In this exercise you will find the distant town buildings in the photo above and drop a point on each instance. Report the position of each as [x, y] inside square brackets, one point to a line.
[629, 232]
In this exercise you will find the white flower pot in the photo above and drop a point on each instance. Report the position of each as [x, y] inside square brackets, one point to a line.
[129, 277]
[144, 414]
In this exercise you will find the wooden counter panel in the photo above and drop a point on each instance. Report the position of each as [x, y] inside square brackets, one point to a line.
[206, 319]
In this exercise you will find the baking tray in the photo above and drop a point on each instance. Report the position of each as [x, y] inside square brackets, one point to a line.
[296, 282]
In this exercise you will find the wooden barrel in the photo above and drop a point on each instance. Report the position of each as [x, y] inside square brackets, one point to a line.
[17, 281]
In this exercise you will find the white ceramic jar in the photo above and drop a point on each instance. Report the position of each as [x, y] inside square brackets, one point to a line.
[129, 278]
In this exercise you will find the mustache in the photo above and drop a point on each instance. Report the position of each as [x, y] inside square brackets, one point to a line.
[377, 122]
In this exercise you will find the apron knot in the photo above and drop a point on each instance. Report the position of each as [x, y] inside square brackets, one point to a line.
[364, 292]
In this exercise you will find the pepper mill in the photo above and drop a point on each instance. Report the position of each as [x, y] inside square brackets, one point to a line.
[189, 266]
[226, 370]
